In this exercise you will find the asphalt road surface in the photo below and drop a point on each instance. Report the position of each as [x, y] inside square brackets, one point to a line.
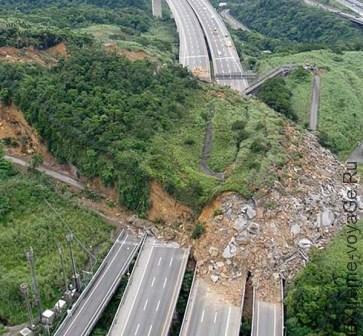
[226, 63]
[148, 304]
[267, 318]
[208, 314]
[193, 52]
[94, 298]
[315, 99]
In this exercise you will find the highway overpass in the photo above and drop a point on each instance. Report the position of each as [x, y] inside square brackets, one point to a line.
[149, 301]
[193, 51]
[84, 314]
[209, 314]
[267, 317]
[223, 52]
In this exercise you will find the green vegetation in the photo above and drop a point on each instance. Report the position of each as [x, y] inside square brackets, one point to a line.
[198, 230]
[27, 221]
[319, 297]
[341, 101]
[295, 22]
[277, 95]
[123, 130]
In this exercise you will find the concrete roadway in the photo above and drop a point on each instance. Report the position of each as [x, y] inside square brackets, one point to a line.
[148, 304]
[193, 51]
[224, 55]
[89, 306]
[208, 314]
[267, 318]
[315, 99]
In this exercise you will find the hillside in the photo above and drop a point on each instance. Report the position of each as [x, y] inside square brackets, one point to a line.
[341, 100]
[27, 221]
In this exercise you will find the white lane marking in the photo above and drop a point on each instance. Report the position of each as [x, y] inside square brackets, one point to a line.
[215, 317]
[171, 261]
[157, 306]
[145, 305]
[228, 318]
[152, 283]
[202, 318]
[149, 333]
[138, 289]
[99, 282]
[160, 261]
[165, 281]
[137, 329]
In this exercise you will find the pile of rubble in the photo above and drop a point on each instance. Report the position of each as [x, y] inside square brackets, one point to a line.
[271, 236]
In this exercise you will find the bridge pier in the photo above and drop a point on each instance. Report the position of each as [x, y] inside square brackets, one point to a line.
[156, 7]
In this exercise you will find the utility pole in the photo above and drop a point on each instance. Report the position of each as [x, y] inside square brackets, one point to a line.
[76, 277]
[60, 251]
[24, 289]
[38, 302]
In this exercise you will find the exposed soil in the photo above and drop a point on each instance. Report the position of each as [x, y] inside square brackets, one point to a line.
[132, 55]
[47, 58]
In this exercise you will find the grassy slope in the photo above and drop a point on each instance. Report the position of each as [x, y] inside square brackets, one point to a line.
[341, 109]
[159, 41]
[175, 157]
[28, 222]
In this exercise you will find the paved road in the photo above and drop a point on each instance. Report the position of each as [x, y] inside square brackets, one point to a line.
[235, 24]
[208, 314]
[60, 177]
[226, 62]
[94, 298]
[149, 301]
[354, 5]
[267, 318]
[193, 51]
[357, 154]
[315, 99]
[156, 8]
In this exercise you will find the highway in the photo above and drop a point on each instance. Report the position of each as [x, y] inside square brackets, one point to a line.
[354, 5]
[149, 301]
[207, 314]
[267, 318]
[315, 99]
[227, 67]
[193, 51]
[89, 306]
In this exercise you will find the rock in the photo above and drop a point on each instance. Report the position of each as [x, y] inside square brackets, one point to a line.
[250, 212]
[305, 243]
[241, 222]
[326, 218]
[253, 228]
[231, 250]
[214, 278]
[295, 229]
[220, 264]
[213, 251]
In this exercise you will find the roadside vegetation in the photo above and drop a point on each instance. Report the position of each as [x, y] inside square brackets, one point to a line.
[27, 221]
[295, 22]
[341, 103]
[319, 299]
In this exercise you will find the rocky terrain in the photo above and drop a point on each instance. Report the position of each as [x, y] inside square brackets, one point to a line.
[271, 235]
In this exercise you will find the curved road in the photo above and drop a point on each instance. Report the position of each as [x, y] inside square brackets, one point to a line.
[193, 51]
[227, 67]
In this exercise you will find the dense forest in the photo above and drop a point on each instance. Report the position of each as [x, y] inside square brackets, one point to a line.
[321, 301]
[295, 22]
[99, 112]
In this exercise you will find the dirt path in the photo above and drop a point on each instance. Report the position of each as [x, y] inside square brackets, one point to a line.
[207, 148]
